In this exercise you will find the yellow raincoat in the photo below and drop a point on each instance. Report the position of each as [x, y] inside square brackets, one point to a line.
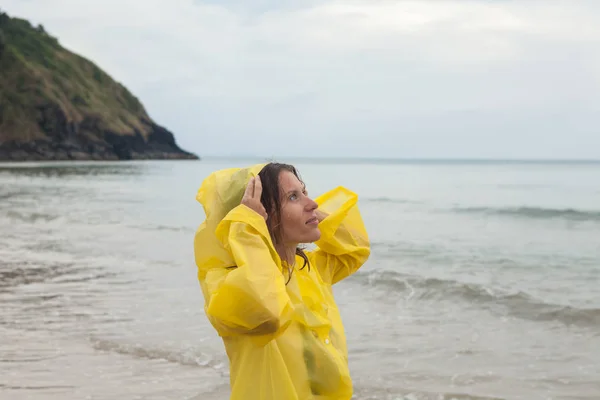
[284, 341]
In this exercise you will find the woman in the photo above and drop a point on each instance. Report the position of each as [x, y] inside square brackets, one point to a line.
[269, 300]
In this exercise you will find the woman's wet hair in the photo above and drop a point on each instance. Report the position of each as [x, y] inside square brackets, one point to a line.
[271, 200]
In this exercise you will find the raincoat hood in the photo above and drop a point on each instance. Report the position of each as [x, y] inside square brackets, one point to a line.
[219, 193]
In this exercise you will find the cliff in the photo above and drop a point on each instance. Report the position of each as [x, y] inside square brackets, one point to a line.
[56, 105]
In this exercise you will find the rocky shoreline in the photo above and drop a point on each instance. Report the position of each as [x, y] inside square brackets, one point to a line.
[67, 143]
[44, 151]
[57, 105]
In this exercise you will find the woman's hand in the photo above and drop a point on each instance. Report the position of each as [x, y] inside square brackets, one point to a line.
[252, 195]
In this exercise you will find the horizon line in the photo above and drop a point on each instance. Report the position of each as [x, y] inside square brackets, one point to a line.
[400, 159]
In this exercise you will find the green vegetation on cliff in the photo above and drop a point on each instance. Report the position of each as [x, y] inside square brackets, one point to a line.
[56, 105]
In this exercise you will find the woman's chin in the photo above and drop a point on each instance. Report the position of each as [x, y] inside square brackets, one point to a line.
[314, 236]
[306, 237]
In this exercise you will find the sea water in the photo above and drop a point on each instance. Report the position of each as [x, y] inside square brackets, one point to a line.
[483, 283]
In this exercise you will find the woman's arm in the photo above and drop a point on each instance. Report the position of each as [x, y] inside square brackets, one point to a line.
[344, 244]
[250, 299]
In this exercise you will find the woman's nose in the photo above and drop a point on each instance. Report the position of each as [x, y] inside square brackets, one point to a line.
[312, 205]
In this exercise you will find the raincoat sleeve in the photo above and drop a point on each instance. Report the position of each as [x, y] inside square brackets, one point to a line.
[344, 244]
[250, 298]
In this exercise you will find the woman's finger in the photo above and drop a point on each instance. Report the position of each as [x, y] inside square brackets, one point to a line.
[257, 188]
[249, 193]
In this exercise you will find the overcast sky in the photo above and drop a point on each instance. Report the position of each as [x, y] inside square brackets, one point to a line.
[370, 78]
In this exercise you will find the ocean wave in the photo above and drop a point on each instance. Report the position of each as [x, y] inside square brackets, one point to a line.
[373, 393]
[518, 304]
[389, 200]
[171, 228]
[179, 356]
[31, 217]
[40, 387]
[535, 212]
[70, 170]
[24, 272]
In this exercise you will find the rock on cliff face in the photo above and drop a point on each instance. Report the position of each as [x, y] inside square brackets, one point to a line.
[55, 105]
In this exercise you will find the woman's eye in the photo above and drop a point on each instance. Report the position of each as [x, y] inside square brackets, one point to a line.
[293, 197]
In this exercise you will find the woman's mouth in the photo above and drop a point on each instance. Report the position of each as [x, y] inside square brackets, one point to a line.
[313, 221]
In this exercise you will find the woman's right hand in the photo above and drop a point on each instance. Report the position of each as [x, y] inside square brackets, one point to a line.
[252, 195]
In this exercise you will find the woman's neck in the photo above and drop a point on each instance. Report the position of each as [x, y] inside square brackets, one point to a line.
[287, 253]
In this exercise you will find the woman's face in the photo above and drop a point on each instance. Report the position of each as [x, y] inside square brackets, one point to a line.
[299, 223]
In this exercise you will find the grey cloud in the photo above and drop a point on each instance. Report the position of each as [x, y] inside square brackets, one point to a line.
[260, 6]
[410, 78]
